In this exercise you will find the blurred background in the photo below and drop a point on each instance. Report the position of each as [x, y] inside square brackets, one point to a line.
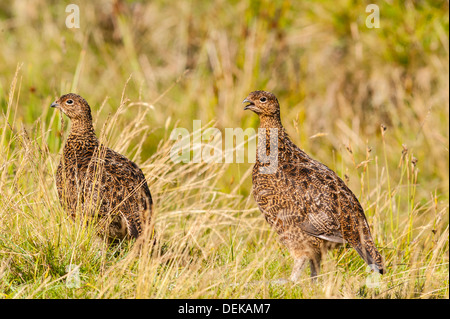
[371, 103]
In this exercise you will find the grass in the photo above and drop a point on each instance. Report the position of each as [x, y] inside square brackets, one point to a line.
[372, 104]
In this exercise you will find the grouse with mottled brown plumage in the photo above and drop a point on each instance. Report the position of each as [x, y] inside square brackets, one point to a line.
[98, 182]
[309, 206]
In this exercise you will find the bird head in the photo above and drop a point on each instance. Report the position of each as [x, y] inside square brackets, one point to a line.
[74, 106]
[262, 103]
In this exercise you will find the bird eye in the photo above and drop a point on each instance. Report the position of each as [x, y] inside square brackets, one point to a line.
[263, 99]
[69, 102]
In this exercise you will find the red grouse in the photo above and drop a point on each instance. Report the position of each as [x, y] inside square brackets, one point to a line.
[309, 206]
[98, 182]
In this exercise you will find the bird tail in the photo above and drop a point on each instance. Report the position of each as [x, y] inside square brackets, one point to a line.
[371, 256]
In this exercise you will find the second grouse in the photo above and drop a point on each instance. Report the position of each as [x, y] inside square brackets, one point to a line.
[95, 180]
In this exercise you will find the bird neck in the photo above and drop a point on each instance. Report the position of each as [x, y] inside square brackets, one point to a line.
[272, 121]
[82, 128]
[270, 131]
[287, 150]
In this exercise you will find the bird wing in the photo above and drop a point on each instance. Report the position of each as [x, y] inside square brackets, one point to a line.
[124, 189]
[292, 199]
[308, 196]
[315, 186]
[333, 211]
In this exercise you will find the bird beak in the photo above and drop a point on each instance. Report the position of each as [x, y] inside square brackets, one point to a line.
[249, 105]
[54, 104]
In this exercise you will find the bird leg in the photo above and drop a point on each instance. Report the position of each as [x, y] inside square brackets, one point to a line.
[299, 265]
[315, 267]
